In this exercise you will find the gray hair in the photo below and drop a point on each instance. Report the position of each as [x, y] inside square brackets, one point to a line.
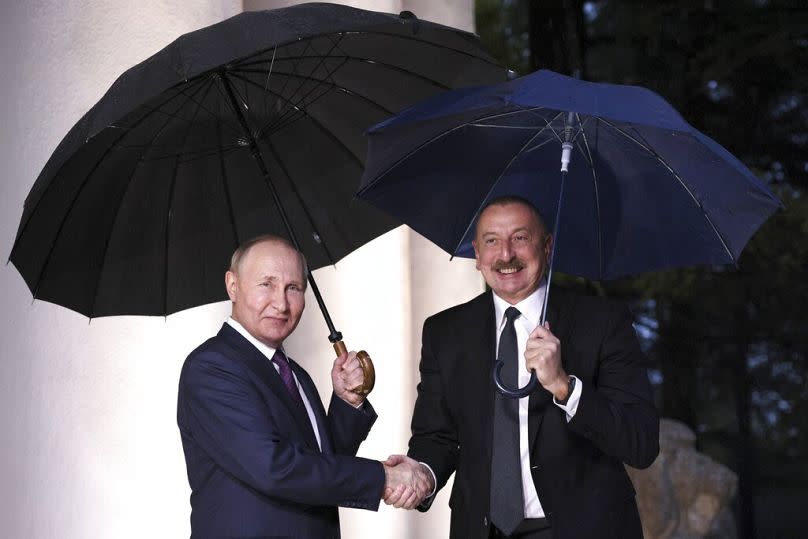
[244, 249]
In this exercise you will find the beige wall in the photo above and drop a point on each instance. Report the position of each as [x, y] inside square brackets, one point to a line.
[89, 441]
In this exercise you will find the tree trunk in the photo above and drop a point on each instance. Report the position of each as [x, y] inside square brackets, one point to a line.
[678, 355]
[744, 450]
[557, 35]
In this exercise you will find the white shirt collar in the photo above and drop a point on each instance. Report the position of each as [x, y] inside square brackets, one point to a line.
[264, 349]
[530, 307]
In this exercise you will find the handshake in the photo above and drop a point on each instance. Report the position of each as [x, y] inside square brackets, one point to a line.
[406, 482]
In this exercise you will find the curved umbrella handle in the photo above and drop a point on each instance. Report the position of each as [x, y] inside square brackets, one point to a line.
[518, 393]
[367, 368]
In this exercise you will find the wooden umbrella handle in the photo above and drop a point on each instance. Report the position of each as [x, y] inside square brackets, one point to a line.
[367, 368]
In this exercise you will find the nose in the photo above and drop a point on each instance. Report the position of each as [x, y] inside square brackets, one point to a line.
[279, 301]
[505, 250]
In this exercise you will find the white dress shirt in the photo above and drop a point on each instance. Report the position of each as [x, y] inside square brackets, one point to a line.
[531, 308]
[269, 352]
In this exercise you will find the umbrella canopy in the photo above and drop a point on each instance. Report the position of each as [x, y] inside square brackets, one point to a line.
[644, 191]
[639, 189]
[253, 125]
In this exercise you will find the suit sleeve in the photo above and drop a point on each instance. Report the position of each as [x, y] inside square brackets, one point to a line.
[349, 426]
[616, 412]
[230, 421]
[434, 438]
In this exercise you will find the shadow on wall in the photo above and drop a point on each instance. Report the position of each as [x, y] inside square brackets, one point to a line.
[684, 494]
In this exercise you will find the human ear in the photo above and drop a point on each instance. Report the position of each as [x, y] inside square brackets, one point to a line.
[230, 285]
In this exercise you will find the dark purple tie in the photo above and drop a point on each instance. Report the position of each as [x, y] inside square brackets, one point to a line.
[285, 371]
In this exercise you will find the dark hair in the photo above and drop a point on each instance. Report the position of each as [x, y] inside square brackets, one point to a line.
[504, 200]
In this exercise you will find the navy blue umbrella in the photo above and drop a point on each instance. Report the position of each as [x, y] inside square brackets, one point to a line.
[639, 189]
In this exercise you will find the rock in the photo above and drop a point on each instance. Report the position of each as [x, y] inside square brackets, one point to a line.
[684, 494]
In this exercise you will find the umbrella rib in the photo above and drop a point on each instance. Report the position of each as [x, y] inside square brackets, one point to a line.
[548, 123]
[499, 178]
[112, 146]
[371, 61]
[439, 136]
[171, 189]
[345, 58]
[269, 74]
[120, 204]
[333, 85]
[187, 156]
[124, 132]
[320, 62]
[679, 179]
[542, 144]
[319, 83]
[277, 157]
[274, 60]
[514, 127]
[387, 34]
[199, 104]
[591, 161]
[294, 112]
[226, 183]
[303, 205]
[322, 127]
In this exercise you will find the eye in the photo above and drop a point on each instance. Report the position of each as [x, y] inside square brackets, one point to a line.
[490, 241]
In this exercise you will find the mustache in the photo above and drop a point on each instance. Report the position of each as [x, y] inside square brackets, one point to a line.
[514, 262]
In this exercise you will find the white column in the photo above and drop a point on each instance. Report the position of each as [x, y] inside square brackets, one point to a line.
[89, 446]
[455, 13]
[369, 298]
[379, 297]
[438, 283]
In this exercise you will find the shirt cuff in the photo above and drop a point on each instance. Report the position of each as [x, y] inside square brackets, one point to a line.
[434, 479]
[572, 402]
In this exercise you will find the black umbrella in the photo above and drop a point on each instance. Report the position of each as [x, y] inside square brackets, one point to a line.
[252, 125]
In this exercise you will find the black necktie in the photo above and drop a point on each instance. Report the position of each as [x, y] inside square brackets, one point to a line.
[507, 500]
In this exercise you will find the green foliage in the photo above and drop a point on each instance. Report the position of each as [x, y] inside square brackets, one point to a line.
[503, 30]
[728, 346]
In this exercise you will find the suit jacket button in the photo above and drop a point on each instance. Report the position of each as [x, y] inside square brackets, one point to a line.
[485, 521]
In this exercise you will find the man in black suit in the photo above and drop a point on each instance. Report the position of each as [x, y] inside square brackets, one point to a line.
[547, 466]
[264, 458]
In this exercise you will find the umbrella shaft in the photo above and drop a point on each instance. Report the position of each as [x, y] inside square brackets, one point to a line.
[555, 243]
[259, 159]
[334, 335]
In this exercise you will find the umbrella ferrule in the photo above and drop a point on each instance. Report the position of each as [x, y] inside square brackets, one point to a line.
[566, 153]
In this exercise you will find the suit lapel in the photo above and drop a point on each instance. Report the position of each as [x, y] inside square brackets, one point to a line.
[480, 347]
[558, 312]
[313, 397]
[262, 367]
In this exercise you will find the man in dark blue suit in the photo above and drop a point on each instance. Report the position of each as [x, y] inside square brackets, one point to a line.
[263, 457]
